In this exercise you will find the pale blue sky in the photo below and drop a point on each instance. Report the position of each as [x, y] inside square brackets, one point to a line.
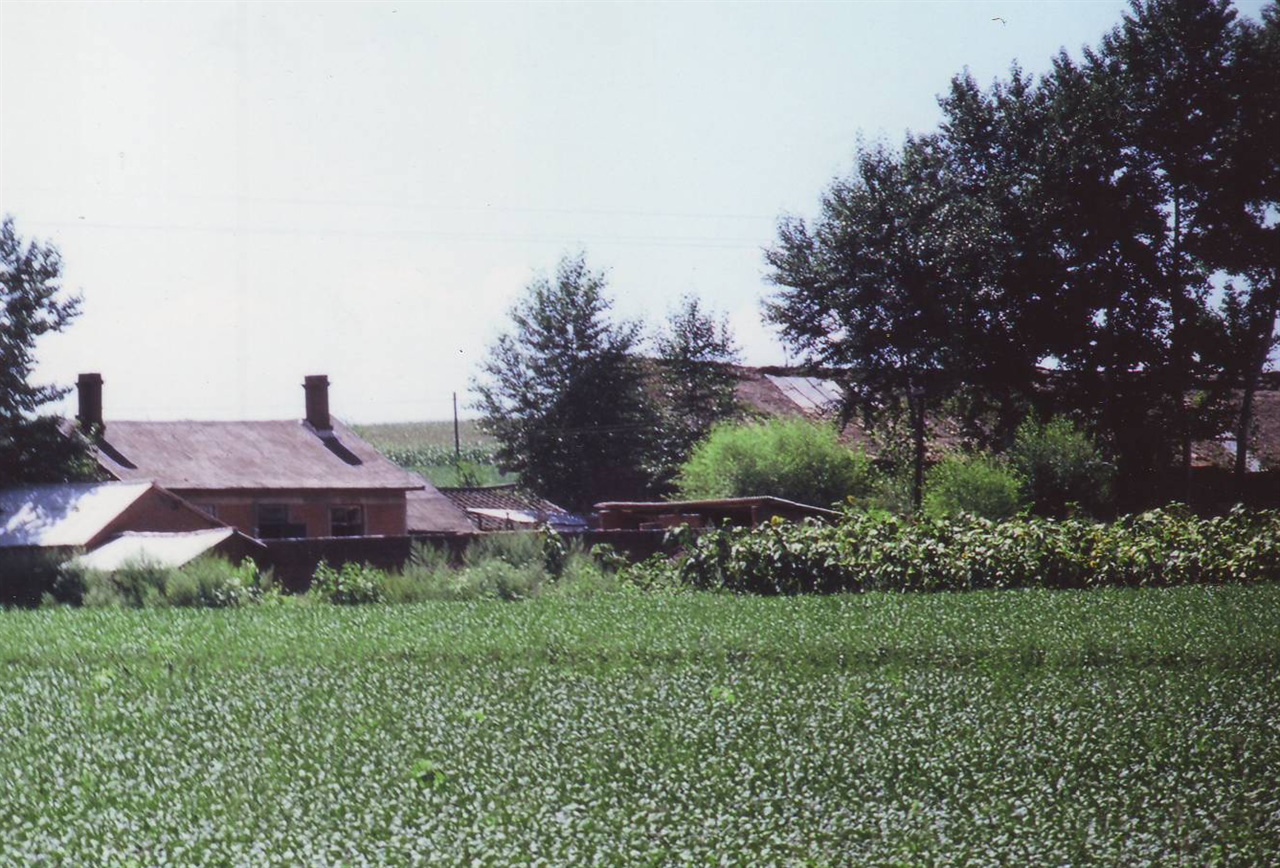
[248, 192]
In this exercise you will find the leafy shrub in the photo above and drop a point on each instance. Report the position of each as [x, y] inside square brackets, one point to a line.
[214, 583]
[974, 484]
[353, 584]
[1060, 468]
[136, 585]
[790, 458]
[881, 551]
[583, 575]
[495, 579]
[516, 548]
[426, 576]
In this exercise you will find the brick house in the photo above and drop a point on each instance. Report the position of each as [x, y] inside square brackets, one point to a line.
[309, 477]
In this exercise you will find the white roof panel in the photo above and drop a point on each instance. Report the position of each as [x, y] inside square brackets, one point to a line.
[161, 549]
[64, 514]
[811, 394]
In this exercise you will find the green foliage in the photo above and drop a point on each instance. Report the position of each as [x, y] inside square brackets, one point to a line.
[353, 584]
[206, 583]
[792, 458]
[1077, 216]
[880, 551]
[134, 586]
[564, 395]
[695, 382]
[1116, 727]
[215, 583]
[438, 454]
[975, 484]
[32, 448]
[1061, 469]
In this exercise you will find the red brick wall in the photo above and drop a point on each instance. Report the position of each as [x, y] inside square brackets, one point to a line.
[384, 511]
[156, 511]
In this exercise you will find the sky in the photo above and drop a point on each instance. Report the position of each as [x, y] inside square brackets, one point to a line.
[247, 193]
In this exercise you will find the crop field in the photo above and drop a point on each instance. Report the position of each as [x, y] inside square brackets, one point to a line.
[428, 448]
[422, 435]
[1015, 727]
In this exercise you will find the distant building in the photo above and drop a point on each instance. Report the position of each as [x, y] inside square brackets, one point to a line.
[509, 507]
[309, 477]
[63, 517]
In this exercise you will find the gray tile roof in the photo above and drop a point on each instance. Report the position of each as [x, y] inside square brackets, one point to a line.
[247, 455]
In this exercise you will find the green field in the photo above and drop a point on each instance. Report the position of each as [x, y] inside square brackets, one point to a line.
[411, 435]
[1018, 727]
[428, 448]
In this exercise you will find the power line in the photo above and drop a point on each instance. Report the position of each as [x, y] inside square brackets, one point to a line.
[477, 237]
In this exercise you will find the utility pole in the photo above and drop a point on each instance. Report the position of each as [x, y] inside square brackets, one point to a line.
[457, 443]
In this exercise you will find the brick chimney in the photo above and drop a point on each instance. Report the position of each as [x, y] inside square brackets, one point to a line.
[89, 390]
[317, 388]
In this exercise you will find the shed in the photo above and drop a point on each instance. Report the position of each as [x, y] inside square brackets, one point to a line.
[84, 515]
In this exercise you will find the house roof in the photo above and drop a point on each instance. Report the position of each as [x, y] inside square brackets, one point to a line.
[495, 507]
[428, 511]
[63, 514]
[286, 454]
[161, 549]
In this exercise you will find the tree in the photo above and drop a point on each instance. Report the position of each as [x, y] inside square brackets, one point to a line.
[890, 286]
[564, 394]
[1169, 66]
[32, 448]
[695, 381]
[1242, 237]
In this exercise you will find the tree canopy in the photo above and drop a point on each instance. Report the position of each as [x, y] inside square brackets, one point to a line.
[564, 393]
[32, 304]
[1099, 242]
[695, 382]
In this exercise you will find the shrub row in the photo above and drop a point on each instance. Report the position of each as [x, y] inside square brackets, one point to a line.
[880, 551]
[210, 583]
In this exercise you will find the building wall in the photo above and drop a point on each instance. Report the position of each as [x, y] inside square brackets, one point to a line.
[384, 511]
[155, 511]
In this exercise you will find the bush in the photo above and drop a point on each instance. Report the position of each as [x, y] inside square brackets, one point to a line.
[136, 585]
[1061, 469]
[793, 459]
[215, 583]
[880, 551]
[974, 484]
[354, 584]
[427, 575]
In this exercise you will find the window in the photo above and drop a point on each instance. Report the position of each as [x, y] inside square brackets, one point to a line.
[273, 522]
[210, 509]
[346, 521]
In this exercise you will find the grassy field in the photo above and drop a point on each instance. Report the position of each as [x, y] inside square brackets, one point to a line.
[1027, 727]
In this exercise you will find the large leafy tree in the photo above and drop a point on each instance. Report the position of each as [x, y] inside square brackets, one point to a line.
[1070, 229]
[1242, 235]
[1169, 68]
[564, 394]
[890, 286]
[695, 381]
[32, 448]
